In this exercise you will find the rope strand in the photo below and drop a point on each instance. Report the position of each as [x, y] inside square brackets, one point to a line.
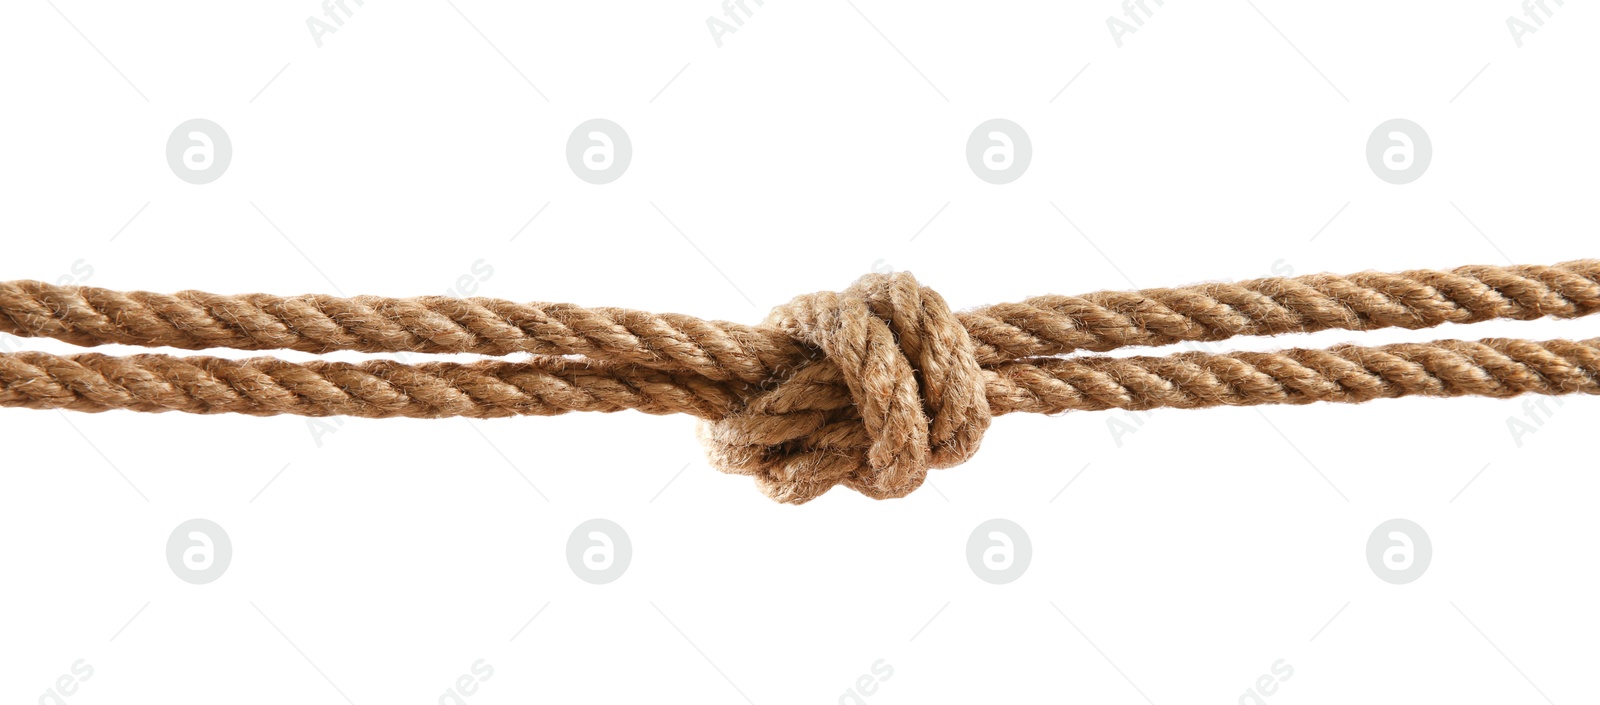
[870, 387]
[376, 389]
[718, 350]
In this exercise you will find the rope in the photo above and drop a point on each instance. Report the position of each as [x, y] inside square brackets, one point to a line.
[267, 386]
[869, 387]
[1045, 325]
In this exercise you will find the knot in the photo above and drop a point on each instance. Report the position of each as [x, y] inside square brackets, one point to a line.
[891, 389]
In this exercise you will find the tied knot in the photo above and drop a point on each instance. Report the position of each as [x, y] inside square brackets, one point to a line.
[891, 389]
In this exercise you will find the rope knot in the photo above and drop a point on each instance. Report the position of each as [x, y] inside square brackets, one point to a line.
[893, 389]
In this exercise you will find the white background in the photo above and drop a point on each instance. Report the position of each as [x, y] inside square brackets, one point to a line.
[1182, 562]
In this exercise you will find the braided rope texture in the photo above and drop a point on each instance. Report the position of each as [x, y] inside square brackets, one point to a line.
[869, 387]
[1044, 325]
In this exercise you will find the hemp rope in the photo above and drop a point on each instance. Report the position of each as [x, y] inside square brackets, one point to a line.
[869, 388]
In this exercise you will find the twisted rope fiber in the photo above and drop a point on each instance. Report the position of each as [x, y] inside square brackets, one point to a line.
[267, 386]
[1044, 325]
[375, 389]
[815, 422]
[869, 387]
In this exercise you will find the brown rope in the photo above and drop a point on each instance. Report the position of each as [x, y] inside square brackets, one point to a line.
[1044, 325]
[268, 386]
[800, 446]
[807, 435]
[869, 387]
